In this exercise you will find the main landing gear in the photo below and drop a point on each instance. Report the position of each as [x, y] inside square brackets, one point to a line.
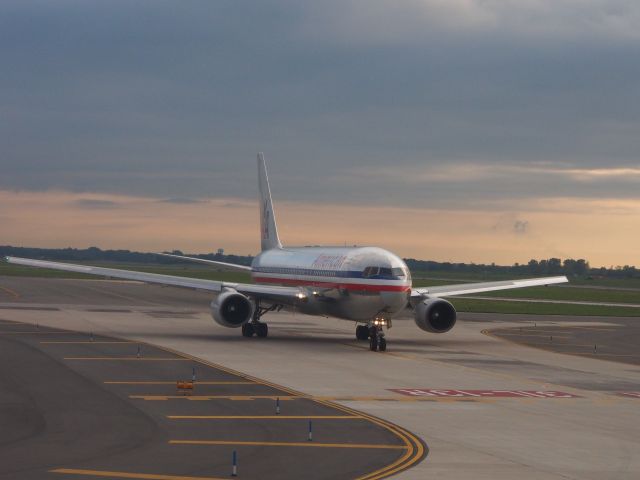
[373, 332]
[255, 326]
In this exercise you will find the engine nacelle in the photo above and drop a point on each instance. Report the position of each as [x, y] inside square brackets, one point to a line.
[231, 309]
[435, 315]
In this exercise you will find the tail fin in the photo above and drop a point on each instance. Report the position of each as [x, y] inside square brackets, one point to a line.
[268, 228]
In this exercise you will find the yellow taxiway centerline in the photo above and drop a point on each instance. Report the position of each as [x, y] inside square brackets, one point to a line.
[289, 444]
[36, 332]
[197, 382]
[148, 359]
[264, 417]
[145, 476]
[214, 397]
[83, 342]
[13, 293]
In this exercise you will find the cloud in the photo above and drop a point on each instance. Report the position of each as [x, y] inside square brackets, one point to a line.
[520, 227]
[94, 204]
[449, 104]
[388, 21]
[563, 227]
[182, 200]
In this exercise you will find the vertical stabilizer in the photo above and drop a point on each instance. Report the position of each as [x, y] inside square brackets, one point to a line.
[268, 229]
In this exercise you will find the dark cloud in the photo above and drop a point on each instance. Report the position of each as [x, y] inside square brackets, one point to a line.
[94, 204]
[182, 200]
[520, 227]
[174, 101]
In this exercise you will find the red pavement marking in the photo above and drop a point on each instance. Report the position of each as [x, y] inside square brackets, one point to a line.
[444, 393]
[629, 394]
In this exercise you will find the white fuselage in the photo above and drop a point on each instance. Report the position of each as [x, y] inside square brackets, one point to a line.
[359, 283]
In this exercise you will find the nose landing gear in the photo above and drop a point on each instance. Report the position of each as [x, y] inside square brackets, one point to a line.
[376, 339]
[374, 333]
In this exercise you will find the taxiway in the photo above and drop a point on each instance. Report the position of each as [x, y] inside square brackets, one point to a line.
[487, 408]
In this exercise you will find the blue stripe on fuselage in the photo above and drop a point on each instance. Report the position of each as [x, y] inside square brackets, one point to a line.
[310, 272]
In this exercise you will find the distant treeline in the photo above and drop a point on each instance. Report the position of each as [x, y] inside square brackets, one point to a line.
[551, 266]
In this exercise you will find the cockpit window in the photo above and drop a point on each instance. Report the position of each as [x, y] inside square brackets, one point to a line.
[397, 272]
[384, 272]
[370, 272]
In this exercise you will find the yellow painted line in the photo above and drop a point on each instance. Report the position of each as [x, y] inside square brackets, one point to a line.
[213, 397]
[415, 451]
[264, 417]
[84, 342]
[198, 382]
[124, 359]
[289, 444]
[36, 332]
[146, 476]
[11, 292]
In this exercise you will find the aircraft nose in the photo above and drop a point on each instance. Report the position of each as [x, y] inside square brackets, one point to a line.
[394, 301]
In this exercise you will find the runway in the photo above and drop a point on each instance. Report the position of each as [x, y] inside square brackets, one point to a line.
[486, 407]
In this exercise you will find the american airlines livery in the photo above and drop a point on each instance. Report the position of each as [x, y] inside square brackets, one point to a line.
[366, 285]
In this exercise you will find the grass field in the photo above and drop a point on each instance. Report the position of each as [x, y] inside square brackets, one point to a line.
[497, 306]
[570, 294]
[610, 291]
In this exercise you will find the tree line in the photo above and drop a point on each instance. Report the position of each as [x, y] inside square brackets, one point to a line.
[551, 266]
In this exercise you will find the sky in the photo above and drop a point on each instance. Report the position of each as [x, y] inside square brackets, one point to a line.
[453, 130]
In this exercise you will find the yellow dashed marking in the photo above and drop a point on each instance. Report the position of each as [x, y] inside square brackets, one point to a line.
[141, 359]
[35, 332]
[264, 417]
[146, 476]
[205, 382]
[85, 342]
[13, 293]
[214, 397]
[289, 444]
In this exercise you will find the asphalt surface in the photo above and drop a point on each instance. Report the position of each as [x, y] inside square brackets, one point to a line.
[618, 342]
[81, 405]
[488, 408]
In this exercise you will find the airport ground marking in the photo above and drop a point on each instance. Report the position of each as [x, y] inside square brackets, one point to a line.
[373, 446]
[11, 292]
[86, 342]
[129, 358]
[198, 382]
[540, 346]
[454, 393]
[35, 332]
[264, 417]
[416, 449]
[629, 394]
[216, 397]
[143, 476]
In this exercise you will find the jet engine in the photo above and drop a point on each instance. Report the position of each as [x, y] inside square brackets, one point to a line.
[231, 309]
[435, 315]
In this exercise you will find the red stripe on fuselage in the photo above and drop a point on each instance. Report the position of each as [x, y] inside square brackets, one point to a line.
[346, 286]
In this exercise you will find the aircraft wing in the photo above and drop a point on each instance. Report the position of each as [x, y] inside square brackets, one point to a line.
[464, 288]
[234, 266]
[287, 295]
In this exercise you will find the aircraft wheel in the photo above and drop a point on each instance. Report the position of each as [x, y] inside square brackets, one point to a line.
[247, 330]
[373, 343]
[362, 332]
[262, 330]
[382, 344]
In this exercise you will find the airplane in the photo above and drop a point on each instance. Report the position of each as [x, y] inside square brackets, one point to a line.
[366, 285]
